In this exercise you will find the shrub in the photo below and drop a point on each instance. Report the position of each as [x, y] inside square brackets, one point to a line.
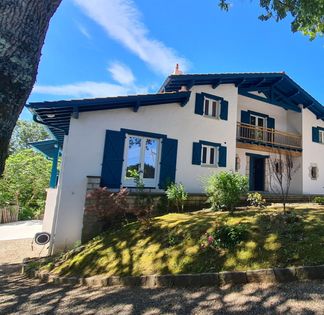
[225, 236]
[176, 195]
[319, 200]
[225, 189]
[256, 200]
[106, 205]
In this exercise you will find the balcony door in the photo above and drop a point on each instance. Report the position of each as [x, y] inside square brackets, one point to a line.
[260, 123]
[142, 155]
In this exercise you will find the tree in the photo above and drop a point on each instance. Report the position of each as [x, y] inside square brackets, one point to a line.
[24, 181]
[23, 26]
[282, 168]
[24, 133]
[308, 15]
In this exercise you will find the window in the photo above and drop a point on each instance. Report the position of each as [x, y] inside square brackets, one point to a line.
[260, 123]
[278, 167]
[321, 136]
[237, 163]
[209, 156]
[314, 172]
[212, 108]
[141, 154]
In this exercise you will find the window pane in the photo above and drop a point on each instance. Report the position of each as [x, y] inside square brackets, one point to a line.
[253, 122]
[212, 156]
[214, 109]
[204, 155]
[134, 155]
[206, 107]
[260, 122]
[150, 158]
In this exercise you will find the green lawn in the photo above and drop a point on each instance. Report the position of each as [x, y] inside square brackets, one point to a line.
[172, 244]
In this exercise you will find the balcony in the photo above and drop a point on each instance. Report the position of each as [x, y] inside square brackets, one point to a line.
[261, 136]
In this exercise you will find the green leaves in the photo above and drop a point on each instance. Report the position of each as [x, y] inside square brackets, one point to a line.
[307, 16]
[24, 181]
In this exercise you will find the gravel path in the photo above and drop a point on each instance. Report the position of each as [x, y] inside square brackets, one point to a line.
[15, 251]
[19, 295]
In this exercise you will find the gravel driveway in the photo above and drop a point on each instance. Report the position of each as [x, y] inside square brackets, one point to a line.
[19, 295]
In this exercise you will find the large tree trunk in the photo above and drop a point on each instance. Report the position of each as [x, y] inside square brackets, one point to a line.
[23, 26]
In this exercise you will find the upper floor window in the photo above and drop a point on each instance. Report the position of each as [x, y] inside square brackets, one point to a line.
[212, 108]
[321, 136]
[209, 156]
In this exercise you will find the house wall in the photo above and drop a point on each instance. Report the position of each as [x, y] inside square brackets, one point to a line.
[85, 147]
[313, 154]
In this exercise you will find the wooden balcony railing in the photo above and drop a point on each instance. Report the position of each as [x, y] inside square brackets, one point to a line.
[267, 136]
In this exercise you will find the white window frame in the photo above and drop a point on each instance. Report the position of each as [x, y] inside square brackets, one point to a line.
[148, 182]
[321, 136]
[208, 155]
[210, 108]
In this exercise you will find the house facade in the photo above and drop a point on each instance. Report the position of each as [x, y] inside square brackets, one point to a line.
[194, 126]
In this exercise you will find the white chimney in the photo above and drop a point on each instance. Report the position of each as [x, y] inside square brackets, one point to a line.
[177, 70]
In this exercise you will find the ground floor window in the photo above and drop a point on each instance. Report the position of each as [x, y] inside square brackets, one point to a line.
[141, 155]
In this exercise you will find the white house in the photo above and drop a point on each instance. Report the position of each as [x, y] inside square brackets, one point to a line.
[195, 125]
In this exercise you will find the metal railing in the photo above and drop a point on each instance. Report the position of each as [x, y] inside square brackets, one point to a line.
[267, 136]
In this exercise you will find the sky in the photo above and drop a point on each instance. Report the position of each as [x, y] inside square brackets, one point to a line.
[102, 48]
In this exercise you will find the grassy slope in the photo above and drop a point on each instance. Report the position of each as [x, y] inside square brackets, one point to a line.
[172, 245]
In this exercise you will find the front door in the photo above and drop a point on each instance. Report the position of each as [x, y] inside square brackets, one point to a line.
[257, 173]
[141, 154]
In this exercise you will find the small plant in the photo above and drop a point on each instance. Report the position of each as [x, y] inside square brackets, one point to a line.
[107, 205]
[319, 200]
[144, 203]
[225, 189]
[176, 195]
[256, 200]
[225, 236]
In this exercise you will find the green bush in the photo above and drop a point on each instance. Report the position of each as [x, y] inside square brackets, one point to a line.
[256, 200]
[225, 236]
[319, 200]
[225, 189]
[176, 195]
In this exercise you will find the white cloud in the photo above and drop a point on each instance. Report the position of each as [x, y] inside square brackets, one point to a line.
[88, 89]
[84, 31]
[121, 73]
[122, 21]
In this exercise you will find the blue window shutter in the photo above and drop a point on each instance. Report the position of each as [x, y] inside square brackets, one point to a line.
[224, 110]
[196, 153]
[222, 156]
[315, 134]
[112, 163]
[245, 117]
[168, 162]
[199, 105]
[271, 123]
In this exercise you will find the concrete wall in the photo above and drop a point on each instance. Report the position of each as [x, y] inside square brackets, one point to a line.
[85, 146]
[51, 194]
[313, 154]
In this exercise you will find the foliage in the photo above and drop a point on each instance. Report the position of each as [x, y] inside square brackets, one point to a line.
[176, 195]
[24, 133]
[106, 205]
[224, 236]
[24, 181]
[256, 200]
[319, 200]
[308, 16]
[144, 203]
[225, 189]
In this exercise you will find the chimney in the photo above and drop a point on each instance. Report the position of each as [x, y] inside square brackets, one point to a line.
[177, 70]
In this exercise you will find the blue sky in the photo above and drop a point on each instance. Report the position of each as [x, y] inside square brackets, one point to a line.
[116, 47]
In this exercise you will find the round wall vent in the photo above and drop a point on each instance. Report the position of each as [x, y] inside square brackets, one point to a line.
[42, 238]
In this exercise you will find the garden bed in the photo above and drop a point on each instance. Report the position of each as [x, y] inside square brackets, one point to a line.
[172, 244]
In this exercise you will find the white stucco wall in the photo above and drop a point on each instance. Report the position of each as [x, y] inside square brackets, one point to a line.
[51, 194]
[313, 154]
[85, 146]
